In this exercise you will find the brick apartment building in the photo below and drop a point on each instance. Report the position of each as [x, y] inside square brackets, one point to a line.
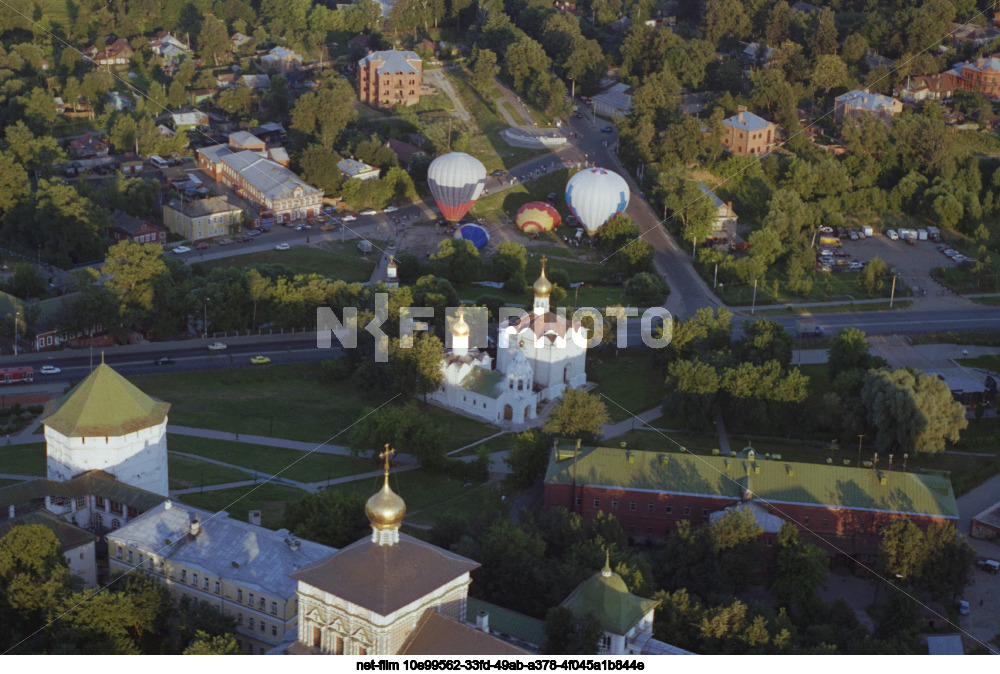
[981, 75]
[746, 134]
[650, 492]
[390, 78]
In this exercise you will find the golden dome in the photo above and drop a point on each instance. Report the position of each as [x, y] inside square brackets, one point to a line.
[543, 287]
[385, 509]
[460, 328]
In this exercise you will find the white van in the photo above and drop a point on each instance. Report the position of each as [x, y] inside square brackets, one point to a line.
[892, 235]
[159, 162]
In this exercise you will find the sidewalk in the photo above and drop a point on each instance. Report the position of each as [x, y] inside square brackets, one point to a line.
[260, 440]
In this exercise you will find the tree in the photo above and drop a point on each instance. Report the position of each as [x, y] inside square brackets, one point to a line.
[319, 168]
[33, 571]
[874, 276]
[213, 40]
[765, 340]
[484, 68]
[566, 634]
[725, 19]
[800, 569]
[415, 366]
[580, 414]
[404, 428]
[525, 60]
[207, 644]
[829, 72]
[331, 517]
[132, 269]
[849, 351]
[14, 183]
[326, 113]
[911, 411]
[527, 458]
[737, 540]
[123, 134]
[457, 260]
[647, 288]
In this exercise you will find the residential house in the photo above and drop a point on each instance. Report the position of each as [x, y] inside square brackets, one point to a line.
[746, 134]
[170, 50]
[188, 120]
[120, 101]
[404, 151]
[128, 227]
[842, 507]
[60, 105]
[263, 181]
[755, 55]
[980, 76]
[861, 102]
[615, 101]
[390, 78]
[117, 54]
[239, 39]
[256, 82]
[88, 147]
[225, 80]
[130, 164]
[281, 59]
[724, 226]
[358, 170]
[921, 88]
[202, 218]
[196, 96]
[241, 569]
[980, 36]
[244, 140]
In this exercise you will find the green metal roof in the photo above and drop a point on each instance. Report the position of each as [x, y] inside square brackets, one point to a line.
[104, 404]
[69, 535]
[605, 596]
[484, 382]
[506, 622]
[769, 481]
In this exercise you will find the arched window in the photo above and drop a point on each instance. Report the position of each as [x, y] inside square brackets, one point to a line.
[520, 385]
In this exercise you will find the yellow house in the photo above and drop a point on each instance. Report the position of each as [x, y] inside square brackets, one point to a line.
[201, 219]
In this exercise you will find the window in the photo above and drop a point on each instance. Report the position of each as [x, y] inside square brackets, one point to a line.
[262, 627]
[631, 506]
[687, 510]
[239, 618]
[362, 650]
[670, 509]
[597, 503]
[194, 579]
[249, 648]
[631, 530]
[770, 542]
[606, 642]
[115, 507]
[649, 531]
[274, 630]
[250, 599]
[140, 559]
[805, 520]
[338, 646]
[579, 501]
[704, 512]
[205, 586]
[263, 603]
[239, 596]
[650, 507]
[218, 588]
[115, 524]
[826, 522]
[250, 623]
[81, 502]
[119, 552]
[614, 505]
[184, 575]
[129, 556]
[274, 608]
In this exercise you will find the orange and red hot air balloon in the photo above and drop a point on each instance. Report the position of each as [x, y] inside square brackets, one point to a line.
[537, 216]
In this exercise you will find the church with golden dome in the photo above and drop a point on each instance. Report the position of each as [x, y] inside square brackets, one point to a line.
[538, 357]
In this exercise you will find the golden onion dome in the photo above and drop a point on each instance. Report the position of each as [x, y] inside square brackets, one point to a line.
[386, 508]
[543, 286]
[460, 328]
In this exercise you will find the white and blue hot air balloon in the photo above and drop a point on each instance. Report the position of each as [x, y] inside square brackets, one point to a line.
[596, 195]
[456, 181]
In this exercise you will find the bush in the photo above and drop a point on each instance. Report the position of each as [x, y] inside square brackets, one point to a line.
[36, 409]
[409, 267]
[335, 369]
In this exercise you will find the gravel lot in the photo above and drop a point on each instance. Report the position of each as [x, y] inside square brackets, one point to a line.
[914, 263]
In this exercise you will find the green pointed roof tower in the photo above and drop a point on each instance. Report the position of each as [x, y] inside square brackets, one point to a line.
[104, 404]
[606, 596]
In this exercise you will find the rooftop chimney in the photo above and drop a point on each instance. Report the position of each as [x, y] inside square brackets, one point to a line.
[167, 505]
[483, 621]
[195, 528]
[253, 517]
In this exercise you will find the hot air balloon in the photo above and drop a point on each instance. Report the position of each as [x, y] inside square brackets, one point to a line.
[537, 216]
[456, 181]
[595, 196]
[474, 233]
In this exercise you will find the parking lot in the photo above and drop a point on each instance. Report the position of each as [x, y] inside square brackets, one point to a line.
[983, 595]
[913, 263]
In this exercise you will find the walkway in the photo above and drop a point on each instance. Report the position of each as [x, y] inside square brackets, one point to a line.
[441, 81]
[298, 445]
[635, 421]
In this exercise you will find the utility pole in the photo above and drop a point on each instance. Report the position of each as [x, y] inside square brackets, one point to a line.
[892, 295]
[715, 279]
[860, 438]
[753, 307]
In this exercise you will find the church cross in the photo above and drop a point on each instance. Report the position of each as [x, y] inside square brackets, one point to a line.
[386, 455]
[544, 260]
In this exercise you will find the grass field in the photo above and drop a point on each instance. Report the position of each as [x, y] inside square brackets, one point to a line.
[988, 301]
[283, 401]
[23, 459]
[332, 259]
[985, 362]
[631, 383]
[420, 488]
[502, 206]
[270, 499]
[186, 472]
[837, 308]
[966, 337]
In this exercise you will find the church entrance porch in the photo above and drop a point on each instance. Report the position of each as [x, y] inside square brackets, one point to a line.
[508, 412]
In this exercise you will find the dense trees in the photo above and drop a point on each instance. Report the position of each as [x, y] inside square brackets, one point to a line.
[579, 414]
[331, 517]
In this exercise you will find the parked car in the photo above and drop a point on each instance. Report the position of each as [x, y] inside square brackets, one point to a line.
[202, 246]
[368, 211]
[854, 236]
[498, 173]
[607, 129]
[246, 238]
[841, 253]
[328, 228]
[989, 565]
[856, 266]
[260, 360]
[389, 209]
[826, 230]
[216, 346]
[180, 250]
[579, 115]
[348, 218]
[49, 369]
[892, 235]
[282, 246]
[164, 360]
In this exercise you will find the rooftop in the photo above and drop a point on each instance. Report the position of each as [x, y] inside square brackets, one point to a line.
[716, 201]
[385, 578]
[272, 179]
[200, 207]
[436, 634]
[484, 382]
[130, 223]
[392, 61]
[70, 536]
[93, 482]
[605, 596]
[868, 101]
[775, 482]
[353, 167]
[244, 138]
[506, 622]
[103, 404]
[747, 121]
[245, 553]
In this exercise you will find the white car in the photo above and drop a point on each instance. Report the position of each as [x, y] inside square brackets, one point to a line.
[180, 250]
[217, 346]
[368, 211]
[347, 218]
[49, 369]
[282, 246]
[389, 209]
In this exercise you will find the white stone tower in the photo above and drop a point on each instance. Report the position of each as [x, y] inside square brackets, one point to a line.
[106, 423]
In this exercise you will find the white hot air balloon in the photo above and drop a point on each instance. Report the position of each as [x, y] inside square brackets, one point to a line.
[596, 195]
[456, 181]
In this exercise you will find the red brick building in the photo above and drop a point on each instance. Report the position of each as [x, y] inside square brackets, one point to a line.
[651, 492]
[390, 78]
[981, 75]
[128, 227]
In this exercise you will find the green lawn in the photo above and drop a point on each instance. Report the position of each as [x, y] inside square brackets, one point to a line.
[837, 308]
[292, 464]
[632, 382]
[23, 459]
[985, 362]
[988, 301]
[503, 206]
[965, 337]
[186, 472]
[330, 258]
[420, 488]
[269, 498]
[474, 498]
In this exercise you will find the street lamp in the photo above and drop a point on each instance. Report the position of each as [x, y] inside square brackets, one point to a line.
[753, 306]
[204, 320]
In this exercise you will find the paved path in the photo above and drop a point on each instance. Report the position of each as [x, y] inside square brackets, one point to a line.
[441, 81]
[260, 440]
[640, 420]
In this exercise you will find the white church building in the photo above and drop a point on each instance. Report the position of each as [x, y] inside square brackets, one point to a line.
[539, 355]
